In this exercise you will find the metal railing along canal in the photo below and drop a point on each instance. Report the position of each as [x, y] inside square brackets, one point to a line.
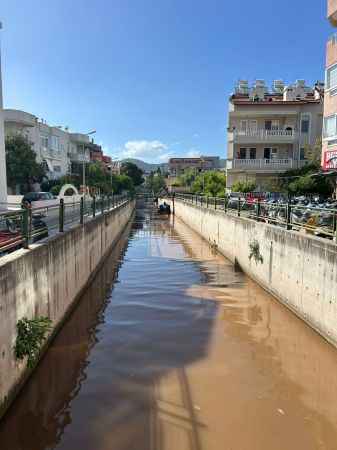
[310, 219]
[24, 225]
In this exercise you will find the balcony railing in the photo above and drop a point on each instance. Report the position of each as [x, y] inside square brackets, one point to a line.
[265, 135]
[265, 164]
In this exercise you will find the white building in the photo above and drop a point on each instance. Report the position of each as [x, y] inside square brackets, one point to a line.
[54, 146]
[269, 130]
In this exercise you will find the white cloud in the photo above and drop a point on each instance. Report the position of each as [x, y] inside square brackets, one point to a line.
[195, 135]
[165, 157]
[146, 150]
[193, 153]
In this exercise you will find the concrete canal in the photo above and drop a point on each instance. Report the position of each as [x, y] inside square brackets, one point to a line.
[171, 349]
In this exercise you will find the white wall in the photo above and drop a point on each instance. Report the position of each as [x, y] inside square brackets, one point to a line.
[298, 269]
[46, 280]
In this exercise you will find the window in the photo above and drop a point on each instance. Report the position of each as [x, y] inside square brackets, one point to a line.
[253, 126]
[305, 123]
[57, 168]
[242, 153]
[253, 153]
[331, 77]
[44, 141]
[55, 142]
[302, 153]
[330, 129]
[243, 125]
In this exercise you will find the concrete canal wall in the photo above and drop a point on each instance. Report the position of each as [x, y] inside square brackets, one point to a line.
[298, 269]
[46, 281]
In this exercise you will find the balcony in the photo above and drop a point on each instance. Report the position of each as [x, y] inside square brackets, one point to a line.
[264, 136]
[49, 153]
[20, 118]
[265, 165]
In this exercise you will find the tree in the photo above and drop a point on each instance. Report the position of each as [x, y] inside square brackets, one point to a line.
[313, 153]
[211, 183]
[155, 182]
[243, 186]
[307, 179]
[131, 170]
[124, 183]
[96, 177]
[187, 178]
[21, 164]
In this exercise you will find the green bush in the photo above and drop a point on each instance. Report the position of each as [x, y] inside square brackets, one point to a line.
[243, 186]
[55, 190]
[30, 336]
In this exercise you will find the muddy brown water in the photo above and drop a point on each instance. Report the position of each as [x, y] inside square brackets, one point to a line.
[171, 349]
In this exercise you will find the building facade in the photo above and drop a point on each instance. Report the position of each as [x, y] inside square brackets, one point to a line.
[329, 148]
[177, 166]
[55, 147]
[269, 131]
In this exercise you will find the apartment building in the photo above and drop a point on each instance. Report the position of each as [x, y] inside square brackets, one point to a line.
[177, 166]
[329, 148]
[270, 129]
[55, 147]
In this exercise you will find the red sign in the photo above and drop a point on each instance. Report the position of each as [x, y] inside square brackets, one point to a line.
[330, 159]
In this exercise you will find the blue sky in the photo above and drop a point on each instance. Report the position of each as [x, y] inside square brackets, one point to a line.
[153, 76]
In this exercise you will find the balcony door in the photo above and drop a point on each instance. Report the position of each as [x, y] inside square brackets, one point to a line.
[270, 153]
[253, 126]
[242, 153]
[271, 125]
[252, 153]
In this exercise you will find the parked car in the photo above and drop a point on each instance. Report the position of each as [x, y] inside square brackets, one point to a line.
[36, 200]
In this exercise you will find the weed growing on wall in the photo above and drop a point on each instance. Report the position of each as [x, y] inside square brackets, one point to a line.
[30, 337]
[254, 248]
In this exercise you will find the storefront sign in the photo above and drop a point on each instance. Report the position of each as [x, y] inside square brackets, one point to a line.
[330, 159]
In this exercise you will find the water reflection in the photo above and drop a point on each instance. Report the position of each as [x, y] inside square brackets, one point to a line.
[172, 349]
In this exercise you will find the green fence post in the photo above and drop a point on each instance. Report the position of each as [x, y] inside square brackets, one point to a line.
[61, 216]
[226, 203]
[82, 211]
[94, 206]
[102, 204]
[25, 227]
[214, 202]
[239, 207]
[258, 212]
[288, 215]
[207, 202]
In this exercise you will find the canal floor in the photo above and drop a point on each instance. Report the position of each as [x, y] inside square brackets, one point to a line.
[170, 348]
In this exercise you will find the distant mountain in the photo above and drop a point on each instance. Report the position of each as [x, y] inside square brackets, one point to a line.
[146, 167]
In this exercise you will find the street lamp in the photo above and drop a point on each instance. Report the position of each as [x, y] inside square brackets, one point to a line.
[110, 169]
[83, 163]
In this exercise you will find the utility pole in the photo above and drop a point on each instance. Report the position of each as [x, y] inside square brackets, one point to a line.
[83, 172]
[3, 176]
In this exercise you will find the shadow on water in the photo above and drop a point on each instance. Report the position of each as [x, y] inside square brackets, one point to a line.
[99, 386]
[171, 348]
